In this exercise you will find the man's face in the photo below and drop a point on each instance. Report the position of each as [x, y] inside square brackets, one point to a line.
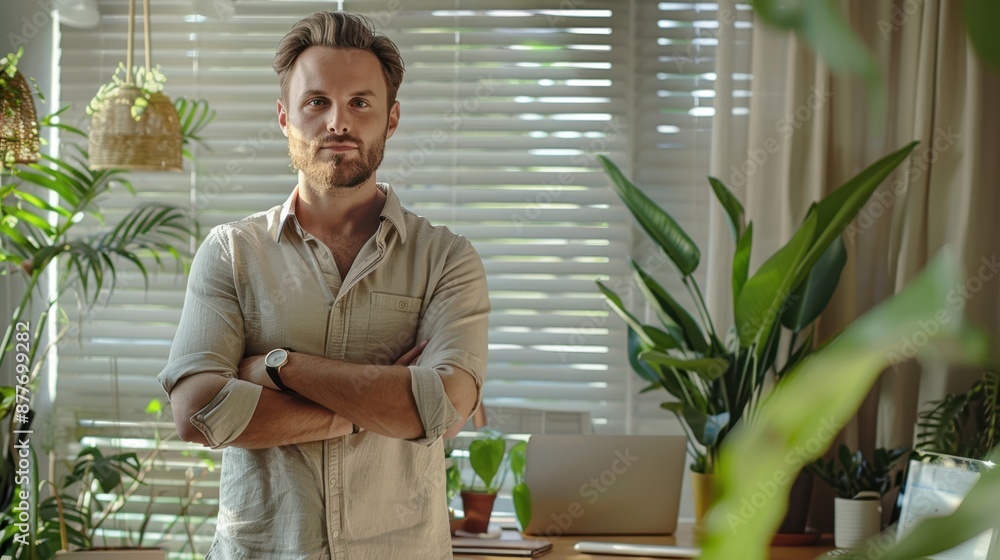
[336, 116]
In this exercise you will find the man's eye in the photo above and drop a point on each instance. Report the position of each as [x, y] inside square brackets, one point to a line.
[360, 103]
[315, 102]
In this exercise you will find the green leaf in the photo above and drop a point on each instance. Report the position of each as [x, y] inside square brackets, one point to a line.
[485, 456]
[797, 422]
[155, 407]
[822, 25]
[812, 295]
[522, 504]
[25, 216]
[741, 261]
[981, 17]
[659, 225]
[619, 307]
[42, 204]
[732, 206]
[788, 14]
[763, 296]
[641, 368]
[708, 369]
[706, 428]
[670, 312]
[8, 397]
[840, 207]
[518, 459]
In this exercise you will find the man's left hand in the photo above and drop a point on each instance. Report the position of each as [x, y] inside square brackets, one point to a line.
[252, 369]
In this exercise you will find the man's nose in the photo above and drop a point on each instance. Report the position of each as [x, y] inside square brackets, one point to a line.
[337, 121]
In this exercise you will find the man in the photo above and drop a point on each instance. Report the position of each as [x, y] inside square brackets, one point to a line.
[328, 344]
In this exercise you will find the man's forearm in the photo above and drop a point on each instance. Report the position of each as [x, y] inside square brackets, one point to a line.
[376, 398]
[277, 419]
[284, 419]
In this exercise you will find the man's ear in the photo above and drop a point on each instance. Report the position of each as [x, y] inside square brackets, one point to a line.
[393, 120]
[282, 118]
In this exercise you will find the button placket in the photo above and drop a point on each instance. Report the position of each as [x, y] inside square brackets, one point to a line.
[334, 501]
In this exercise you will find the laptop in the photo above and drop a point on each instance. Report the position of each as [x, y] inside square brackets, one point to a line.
[604, 485]
[935, 485]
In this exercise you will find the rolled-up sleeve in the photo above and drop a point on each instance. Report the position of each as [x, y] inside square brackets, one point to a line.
[456, 324]
[210, 340]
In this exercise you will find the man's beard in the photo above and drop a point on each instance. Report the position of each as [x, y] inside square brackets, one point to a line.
[338, 172]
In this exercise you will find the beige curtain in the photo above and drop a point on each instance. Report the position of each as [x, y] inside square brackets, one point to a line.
[810, 131]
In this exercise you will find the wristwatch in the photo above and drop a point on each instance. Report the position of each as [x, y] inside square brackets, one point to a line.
[273, 362]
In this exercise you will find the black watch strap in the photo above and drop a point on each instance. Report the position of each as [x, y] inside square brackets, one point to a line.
[275, 376]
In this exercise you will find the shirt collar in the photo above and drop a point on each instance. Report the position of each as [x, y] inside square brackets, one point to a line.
[392, 211]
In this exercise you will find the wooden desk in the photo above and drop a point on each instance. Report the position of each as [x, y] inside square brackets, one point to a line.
[562, 547]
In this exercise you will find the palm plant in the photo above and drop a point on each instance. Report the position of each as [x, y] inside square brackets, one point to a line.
[43, 208]
[715, 382]
[966, 424]
[90, 262]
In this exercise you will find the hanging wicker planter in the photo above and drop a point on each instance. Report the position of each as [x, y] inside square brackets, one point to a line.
[152, 142]
[133, 127]
[18, 124]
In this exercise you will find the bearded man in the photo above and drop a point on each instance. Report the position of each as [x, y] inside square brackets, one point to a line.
[329, 344]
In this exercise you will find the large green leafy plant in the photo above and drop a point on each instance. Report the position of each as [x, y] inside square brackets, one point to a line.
[798, 421]
[714, 380]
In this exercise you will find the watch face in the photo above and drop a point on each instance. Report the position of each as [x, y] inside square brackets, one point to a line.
[275, 358]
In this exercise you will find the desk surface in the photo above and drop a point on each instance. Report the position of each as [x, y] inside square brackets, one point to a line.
[562, 547]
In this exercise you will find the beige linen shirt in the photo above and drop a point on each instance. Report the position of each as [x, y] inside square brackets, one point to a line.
[263, 283]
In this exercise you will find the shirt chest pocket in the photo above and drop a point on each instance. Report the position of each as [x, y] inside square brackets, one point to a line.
[392, 326]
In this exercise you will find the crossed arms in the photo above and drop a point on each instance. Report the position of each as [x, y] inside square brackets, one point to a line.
[221, 398]
[387, 408]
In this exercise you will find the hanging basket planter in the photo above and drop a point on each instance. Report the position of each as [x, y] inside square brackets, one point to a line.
[18, 124]
[134, 125]
[119, 140]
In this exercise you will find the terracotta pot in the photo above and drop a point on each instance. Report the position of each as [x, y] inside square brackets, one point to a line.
[478, 509]
[701, 490]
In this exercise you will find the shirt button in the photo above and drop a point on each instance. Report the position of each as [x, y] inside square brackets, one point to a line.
[336, 534]
[401, 305]
[326, 256]
[340, 303]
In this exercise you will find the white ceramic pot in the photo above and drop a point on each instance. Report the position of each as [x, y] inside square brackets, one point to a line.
[121, 554]
[857, 519]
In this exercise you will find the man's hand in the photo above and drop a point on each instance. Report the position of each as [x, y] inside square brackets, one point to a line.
[410, 357]
[252, 369]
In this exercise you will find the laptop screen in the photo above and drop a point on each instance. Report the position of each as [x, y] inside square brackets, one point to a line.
[935, 486]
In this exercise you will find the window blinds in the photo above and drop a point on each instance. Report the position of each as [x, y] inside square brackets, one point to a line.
[505, 104]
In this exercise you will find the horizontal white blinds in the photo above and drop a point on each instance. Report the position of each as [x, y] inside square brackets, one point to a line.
[675, 78]
[504, 106]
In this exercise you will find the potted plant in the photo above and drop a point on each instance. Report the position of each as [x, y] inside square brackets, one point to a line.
[965, 424]
[859, 485]
[486, 456]
[715, 380]
[796, 422]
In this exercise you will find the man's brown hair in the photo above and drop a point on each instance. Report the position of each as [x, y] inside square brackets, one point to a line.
[339, 30]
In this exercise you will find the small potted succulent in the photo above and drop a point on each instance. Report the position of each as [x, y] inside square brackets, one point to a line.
[859, 485]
